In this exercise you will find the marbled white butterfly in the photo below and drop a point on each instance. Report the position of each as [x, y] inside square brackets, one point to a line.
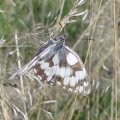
[57, 64]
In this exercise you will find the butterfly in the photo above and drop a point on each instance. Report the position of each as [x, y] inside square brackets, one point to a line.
[57, 64]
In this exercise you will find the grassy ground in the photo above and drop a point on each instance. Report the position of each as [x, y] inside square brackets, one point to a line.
[24, 24]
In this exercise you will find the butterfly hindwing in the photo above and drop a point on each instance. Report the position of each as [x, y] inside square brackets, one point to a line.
[65, 69]
[78, 80]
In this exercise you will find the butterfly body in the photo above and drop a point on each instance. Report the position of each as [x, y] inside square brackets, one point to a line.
[57, 64]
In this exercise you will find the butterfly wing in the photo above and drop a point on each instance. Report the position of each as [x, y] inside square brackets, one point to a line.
[43, 51]
[78, 80]
[58, 65]
[65, 69]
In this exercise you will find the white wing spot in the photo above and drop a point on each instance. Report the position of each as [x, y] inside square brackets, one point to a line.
[79, 89]
[50, 71]
[44, 66]
[71, 59]
[59, 83]
[76, 80]
[39, 77]
[62, 72]
[66, 80]
[70, 89]
[40, 62]
[53, 70]
[47, 71]
[68, 71]
[49, 78]
[81, 74]
[85, 84]
[35, 71]
[72, 81]
[64, 87]
[56, 70]
[55, 59]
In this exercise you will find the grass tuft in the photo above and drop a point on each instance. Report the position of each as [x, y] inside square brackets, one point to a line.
[92, 29]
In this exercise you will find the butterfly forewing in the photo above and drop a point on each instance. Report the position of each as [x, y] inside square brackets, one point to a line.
[40, 54]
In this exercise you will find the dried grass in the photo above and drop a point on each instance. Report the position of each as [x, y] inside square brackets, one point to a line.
[97, 42]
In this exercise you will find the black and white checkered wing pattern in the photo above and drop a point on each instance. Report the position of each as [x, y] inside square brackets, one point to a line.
[57, 64]
[64, 68]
